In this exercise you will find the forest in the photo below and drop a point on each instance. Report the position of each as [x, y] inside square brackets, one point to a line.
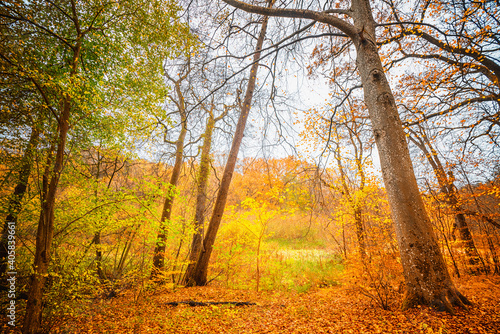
[253, 166]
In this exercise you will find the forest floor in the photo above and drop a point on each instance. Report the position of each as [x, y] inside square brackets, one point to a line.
[336, 309]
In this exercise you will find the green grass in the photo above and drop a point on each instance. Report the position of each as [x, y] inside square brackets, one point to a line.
[296, 243]
[302, 269]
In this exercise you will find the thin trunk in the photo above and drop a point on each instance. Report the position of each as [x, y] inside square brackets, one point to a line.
[176, 259]
[123, 258]
[33, 317]
[197, 242]
[98, 255]
[199, 276]
[494, 256]
[443, 232]
[97, 236]
[426, 274]
[258, 263]
[344, 240]
[159, 252]
[45, 230]
[360, 233]
[14, 206]
[447, 187]
[457, 272]
[358, 217]
[355, 207]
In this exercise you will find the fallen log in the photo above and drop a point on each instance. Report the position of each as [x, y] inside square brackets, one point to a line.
[193, 303]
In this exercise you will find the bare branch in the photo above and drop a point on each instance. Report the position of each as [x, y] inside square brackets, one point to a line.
[323, 17]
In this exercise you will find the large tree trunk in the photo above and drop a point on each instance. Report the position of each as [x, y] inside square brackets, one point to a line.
[17, 196]
[45, 231]
[199, 273]
[159, 251]
[427, 279]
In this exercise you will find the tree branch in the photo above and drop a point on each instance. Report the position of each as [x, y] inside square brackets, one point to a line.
[456, 106]
[323, 17]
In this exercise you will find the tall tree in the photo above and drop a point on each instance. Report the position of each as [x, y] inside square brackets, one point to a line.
[73, 54]
[453, 88]
[427, 279]
[201, 186]
[198, 276]
[180, 103]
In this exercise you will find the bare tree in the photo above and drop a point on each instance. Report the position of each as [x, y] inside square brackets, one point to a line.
[427, 279]
[201, 186]
[180, 103]
[199, 273]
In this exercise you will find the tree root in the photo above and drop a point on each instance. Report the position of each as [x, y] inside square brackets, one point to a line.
[444, 302]
[193, 303]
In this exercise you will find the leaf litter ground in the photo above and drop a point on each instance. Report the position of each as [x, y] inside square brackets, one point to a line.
[327, 310]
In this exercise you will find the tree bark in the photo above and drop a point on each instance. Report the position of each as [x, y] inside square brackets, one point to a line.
[159, 251]
[427, 279]
[97, 234]
[426, 275]
[199, 275]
